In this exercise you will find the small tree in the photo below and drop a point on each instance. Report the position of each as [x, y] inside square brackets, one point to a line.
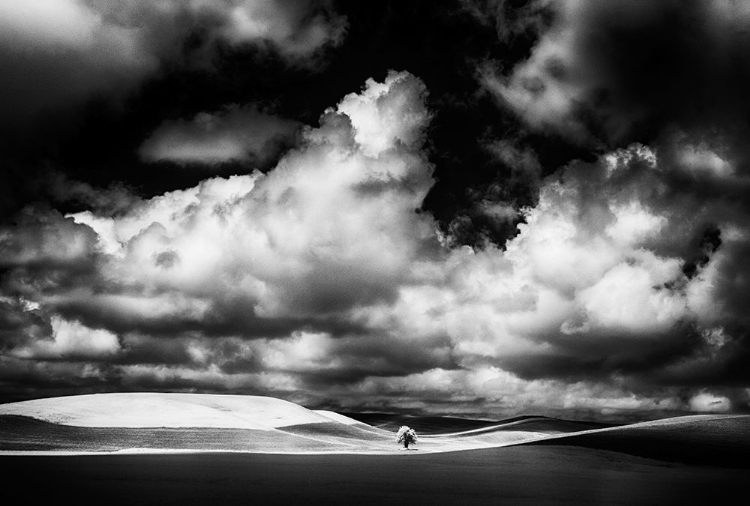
[406, 436]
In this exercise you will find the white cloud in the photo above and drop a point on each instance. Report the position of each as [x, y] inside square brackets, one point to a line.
[634, 224]
[235, 134]
[72, 340]
[585, 278]
[625, 297]
[386, 115]
[597, 264]
[48, 24]
[706, 402]
[288, 25]
[331, 227]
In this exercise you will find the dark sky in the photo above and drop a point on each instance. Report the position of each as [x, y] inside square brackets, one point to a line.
[472, 207]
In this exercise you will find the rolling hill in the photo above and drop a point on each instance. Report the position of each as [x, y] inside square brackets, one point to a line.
[167, 422]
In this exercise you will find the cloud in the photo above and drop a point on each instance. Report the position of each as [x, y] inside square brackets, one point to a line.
[613, 71]
[332, 227]
[114, 199]
[47, 240]
[709, 403]
[295, 28]
[623, 291]
[236, 134]
[58, 53]
[508, 20]
[606, 279]
[71, 340]
[489, 391]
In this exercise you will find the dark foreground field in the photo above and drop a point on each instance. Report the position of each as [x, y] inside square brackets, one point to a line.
[195, 449]
[534, 475]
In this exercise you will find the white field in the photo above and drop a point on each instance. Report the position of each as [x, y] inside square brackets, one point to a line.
[278, 426]
[170, 410]
[337, 417]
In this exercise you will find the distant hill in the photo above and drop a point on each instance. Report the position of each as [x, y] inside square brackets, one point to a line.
[167, 422]
[422, 424]
[436, 425]
[147, 409]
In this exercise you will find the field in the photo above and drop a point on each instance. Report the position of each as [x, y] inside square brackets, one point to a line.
[331, 459]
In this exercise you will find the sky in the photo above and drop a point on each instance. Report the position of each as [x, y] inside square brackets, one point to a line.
[479, 208]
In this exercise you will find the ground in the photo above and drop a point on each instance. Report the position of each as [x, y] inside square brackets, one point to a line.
[268, 451]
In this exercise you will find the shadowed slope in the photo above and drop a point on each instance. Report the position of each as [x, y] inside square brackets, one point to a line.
[439, 425]
[722, 440]
[422, 424]
[24, 434]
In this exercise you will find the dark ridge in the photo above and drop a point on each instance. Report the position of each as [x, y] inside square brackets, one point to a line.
[545, 424]
[436, 425]
[422, 424]
[21, 433]
[718, 442]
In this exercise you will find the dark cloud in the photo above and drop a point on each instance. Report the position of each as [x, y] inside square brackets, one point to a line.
[44, 240]
[19, 325]
[65, 52]
[611, 72]
[511, 18]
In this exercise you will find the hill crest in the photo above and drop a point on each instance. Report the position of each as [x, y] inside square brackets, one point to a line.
[174, 410]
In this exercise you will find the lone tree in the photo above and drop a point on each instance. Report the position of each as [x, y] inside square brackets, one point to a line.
[406, 436]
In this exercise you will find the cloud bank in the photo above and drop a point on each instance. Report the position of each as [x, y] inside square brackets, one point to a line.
[321, 281]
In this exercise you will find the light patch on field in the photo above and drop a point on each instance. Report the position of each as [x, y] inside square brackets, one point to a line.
[336, 417]
[166, 410]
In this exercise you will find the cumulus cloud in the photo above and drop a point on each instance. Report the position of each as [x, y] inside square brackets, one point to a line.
[607, 287]
[236, 134]
[61, 52]
[320, 279]
[331, 228]
[606, 251]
